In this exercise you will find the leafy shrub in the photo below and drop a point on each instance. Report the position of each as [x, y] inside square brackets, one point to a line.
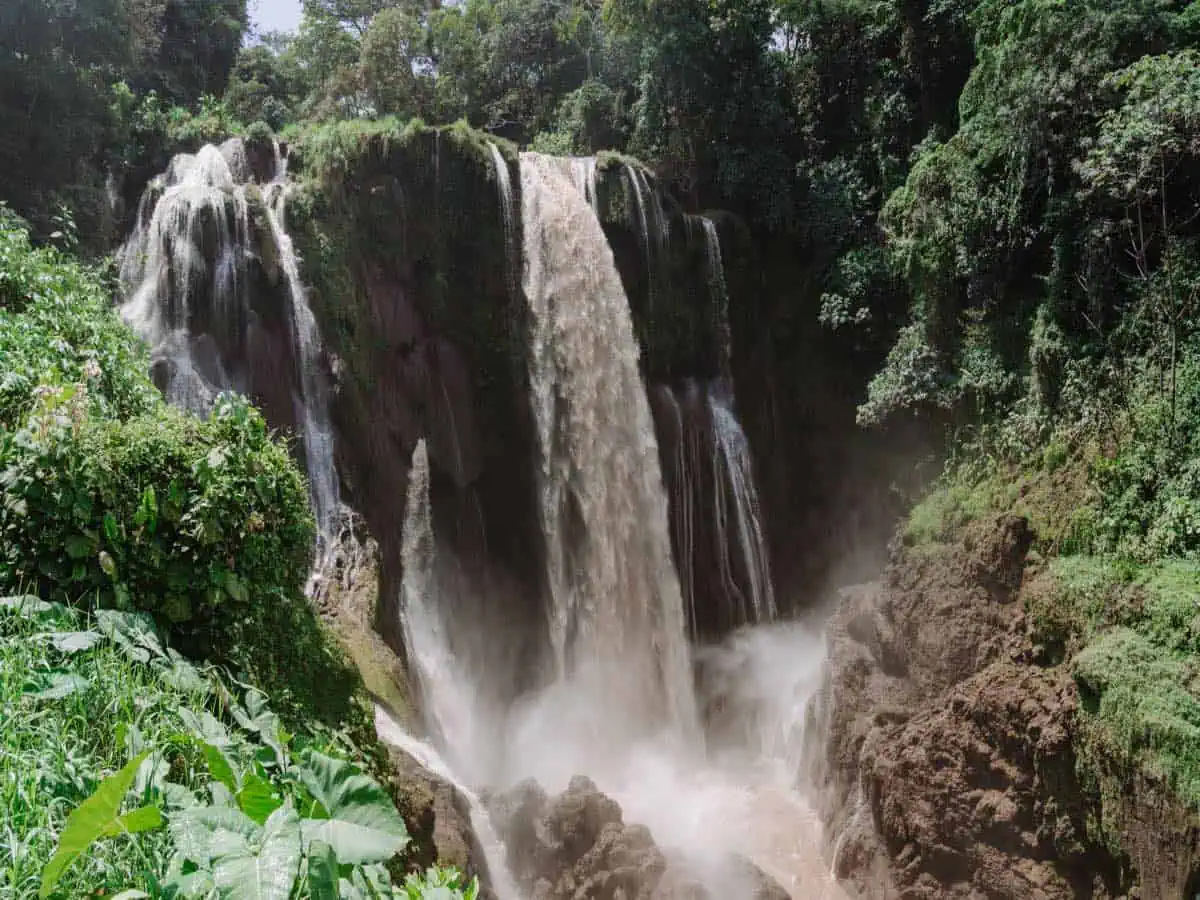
[56, 322]
[1137, 691]
[260, 134]
[192, 521]
[913, 378]
[111, 498]
[1151, 484]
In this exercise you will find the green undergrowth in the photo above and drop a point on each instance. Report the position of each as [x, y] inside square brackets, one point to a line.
[1052, 489]
[110, 498]
[1128, 629]
[125, 767]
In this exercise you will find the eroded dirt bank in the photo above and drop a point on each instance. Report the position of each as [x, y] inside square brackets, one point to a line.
[949, 764]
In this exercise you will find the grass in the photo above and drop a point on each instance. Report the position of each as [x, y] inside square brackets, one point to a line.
[1052, 488]
[1131, 636]
[80, 699]
[55, 752]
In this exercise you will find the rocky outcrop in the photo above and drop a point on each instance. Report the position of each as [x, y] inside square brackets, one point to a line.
[949, 769]
[344, 588]
[577, 845]
[438, 817]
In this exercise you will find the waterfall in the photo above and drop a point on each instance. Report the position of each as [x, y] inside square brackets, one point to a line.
[733, 459]
[449, 705]
[312, 406]
[652, 222]
[720, 295]
[189, 246]
[185, 275]
[683, 496]
[583, 173]
[504, 189]
[616, 612]
[719, 537]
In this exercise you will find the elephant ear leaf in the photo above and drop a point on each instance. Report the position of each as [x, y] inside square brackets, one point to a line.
[97, 817]
[263, 867]
[362, 825]
[322, 872]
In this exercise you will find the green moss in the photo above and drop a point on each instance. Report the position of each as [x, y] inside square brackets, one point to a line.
[955, 503]
[1144, 698]
[1171, 612]
[1074, 602]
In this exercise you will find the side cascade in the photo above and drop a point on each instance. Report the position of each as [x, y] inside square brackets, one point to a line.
[720, 296]
[717, 528]
[191, 274]
[504, 190]
[312, 404]
[616, 612]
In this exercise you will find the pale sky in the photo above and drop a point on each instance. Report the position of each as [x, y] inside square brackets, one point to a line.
[275, 15]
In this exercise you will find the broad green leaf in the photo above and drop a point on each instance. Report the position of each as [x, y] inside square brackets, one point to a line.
[92, 819]
[220, 766]
[363, 825]
[192, 830]
[176, 796]
[371, 882]
[146, 818]
[235, 588]
[262, 869]
[71, 641]
[55, 685]
[322, 872]
[134, 632]
[196, 885]
[181, 674]
[152, 774]
[258, 798]
[206, 727]
[221, 795]
[78, 546]
[257, 718]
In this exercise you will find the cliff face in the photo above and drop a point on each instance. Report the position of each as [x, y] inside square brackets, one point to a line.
[404, 246]
[953, 760]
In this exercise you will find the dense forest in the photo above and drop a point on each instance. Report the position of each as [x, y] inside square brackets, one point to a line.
[1000, 196]
[985, 213]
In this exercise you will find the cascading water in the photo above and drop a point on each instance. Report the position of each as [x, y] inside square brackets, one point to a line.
[186, 280]
[584, 174]
[504, 189]
[312, 405]
[616, 613]
[652, 221]
[450, 704]
[618, 700]
[188, 248]
[720, 296]
[732, 458]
